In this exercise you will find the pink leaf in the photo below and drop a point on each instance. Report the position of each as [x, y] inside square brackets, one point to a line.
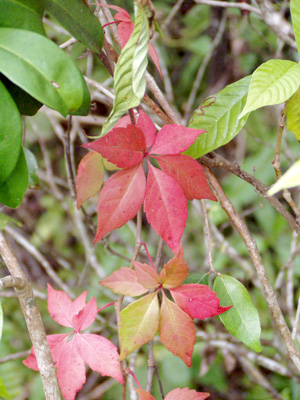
[123, 147]
[124, 281]
[78, 304]
[70, 370]
[143, 395]
[86, 316]
[147, 126]
[198, 301]
[186, 394]
[154, 57]
[146, 275]
[165, 207]
[59, 304]
[90, 177]
[122, 15]
[188, 173]
[120, 199]
[174, 139]
[175, 271]
[125, 30]
[100, 354]
[177, 331]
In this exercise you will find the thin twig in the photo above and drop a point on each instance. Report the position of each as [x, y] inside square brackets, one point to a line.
[226, 4]
[251, 246]
[34, 322]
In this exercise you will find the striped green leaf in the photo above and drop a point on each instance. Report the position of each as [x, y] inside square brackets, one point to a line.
[218, 115]
[273, 82]
[129, 77]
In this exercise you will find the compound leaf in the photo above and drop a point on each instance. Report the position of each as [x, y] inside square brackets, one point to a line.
[124, 281]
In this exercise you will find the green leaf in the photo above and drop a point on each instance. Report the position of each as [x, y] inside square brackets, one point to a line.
[10, 134]
[242, 320]
[288, 180]
[273, 82]
[76, 17]
[5, 219]
[129, 76]
[197, 278]
[26, 104]
[33, 178]
[293, 114]
[3, 392]
[13, 189]
[219, 118]
[139, 323]
[22, 14]
[43, 70]
[295, 13]
[1, 321]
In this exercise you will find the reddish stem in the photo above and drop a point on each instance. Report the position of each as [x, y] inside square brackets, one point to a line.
[128, 370]
[107, 305]
[109, 23]
[148, 254]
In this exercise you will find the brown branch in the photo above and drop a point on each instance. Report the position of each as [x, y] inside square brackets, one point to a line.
[251, 246]
[261, 189]
[33, 321]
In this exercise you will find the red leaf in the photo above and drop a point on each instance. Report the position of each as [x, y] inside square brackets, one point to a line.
[123, 147]
[124, 281]
[189, 174]
[175, 271]
[165, 207]
[100, 354]
[120, 199]
[125, 30]
[70, 370]
[198, 301]
[186, 394]
[147, 126]
[143, 395]
[146, 275]
[85, 316]
[174, 139]
[122, 15]
[59, 304]
[153, 55]
[177, 331]
[90, 175]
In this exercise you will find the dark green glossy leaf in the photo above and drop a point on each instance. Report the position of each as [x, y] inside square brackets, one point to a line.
[43, 70]
[26, 104]
[242, 320]
[33, 178]
[5, 219]
[218, 115]
[10, 134]
[13, 189]
[129, 77]
[79, 20]
[22, 14]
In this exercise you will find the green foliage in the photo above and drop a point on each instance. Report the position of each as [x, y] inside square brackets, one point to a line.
[129, 79]
[3, 391]
[295, 13]
[79, 20]
[290, 179]
[273, 82]
[218, 115]
[293, 114]
[242, 320]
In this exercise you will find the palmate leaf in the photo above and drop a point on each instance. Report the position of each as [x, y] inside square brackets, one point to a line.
[219, 117]
[10, 134]
[295, 13]
[176, 394]
[177, 331]
[43, 70]
[124, 281]
[273, 82]
[175, 271]
[293, 114]
[76, 17]
[129, 79]
[290, 179]
[242, 321]
[139, 323]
